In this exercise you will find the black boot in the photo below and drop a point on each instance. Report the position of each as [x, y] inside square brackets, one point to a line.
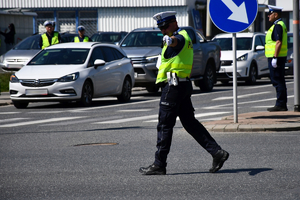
[153, 170]
[218, 160]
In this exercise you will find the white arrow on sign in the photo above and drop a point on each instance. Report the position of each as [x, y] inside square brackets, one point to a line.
[239, 13]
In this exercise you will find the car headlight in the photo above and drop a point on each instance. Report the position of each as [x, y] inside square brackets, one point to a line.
[69, 77]
[14, 79]
[152, 59]
[243, 57]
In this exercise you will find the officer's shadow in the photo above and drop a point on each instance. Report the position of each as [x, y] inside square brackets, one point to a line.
[251, 171]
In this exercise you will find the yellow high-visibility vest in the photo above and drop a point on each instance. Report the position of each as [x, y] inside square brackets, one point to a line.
[270, 44]
[46, 41]
[76, 39]
[181, 64]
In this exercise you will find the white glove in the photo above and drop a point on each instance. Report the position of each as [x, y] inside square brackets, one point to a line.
[274, 62]
[167, 40]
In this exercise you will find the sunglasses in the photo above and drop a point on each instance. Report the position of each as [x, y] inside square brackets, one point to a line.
[167, 25]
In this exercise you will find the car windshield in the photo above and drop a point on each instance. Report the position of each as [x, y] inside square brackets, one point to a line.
[31, 42]
[60, 57]
[106, 37]
[241, 43]
[143, 39]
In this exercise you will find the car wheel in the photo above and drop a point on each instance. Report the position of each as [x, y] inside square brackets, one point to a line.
[208, 81]
[252, 75]
[87, 94]
[152, 88]
[126, 91]
[20, 104]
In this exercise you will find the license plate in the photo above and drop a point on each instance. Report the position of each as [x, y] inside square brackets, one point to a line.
[37, 92]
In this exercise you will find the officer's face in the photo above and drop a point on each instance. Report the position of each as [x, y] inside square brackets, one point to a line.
[272, 16]
[49, 29]
[168, 29]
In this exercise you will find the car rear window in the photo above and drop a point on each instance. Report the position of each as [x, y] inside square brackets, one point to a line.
[143, 39]
[60, 57]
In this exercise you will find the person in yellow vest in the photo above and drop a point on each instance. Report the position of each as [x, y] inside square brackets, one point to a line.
[81, 37]
[50, 37]
[173, 74]
[276, 52]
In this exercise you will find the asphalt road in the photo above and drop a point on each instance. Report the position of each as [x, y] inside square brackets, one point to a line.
[54, 151]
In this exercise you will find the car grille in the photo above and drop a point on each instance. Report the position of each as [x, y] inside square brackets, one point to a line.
[37, 82]
[138, 60]
[226, 62]
[16, 60]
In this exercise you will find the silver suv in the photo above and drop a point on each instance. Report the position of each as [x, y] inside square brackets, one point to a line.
[143, 46]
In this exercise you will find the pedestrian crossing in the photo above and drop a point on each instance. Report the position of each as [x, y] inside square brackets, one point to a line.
[118, 119]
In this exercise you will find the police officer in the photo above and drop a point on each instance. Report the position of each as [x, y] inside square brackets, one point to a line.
[81, 37]
[50, 37]
[276, 52]
[174, 72]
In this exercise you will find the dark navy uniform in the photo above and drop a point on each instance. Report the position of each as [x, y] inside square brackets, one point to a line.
[176, 101]
[277, 74]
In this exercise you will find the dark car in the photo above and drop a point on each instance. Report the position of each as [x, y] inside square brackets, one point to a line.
[108, 37]
[67, 37]
[289, 65]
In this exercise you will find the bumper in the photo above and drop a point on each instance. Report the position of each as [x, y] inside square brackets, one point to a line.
[226, 72]
[56, 92]
[145, 74]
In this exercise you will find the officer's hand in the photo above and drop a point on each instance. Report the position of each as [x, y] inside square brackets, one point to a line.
[274, 62]
[167, 40]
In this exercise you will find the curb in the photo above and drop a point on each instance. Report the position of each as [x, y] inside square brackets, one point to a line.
[253, 128]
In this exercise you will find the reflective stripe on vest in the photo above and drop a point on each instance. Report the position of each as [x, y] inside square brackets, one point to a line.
[46, 41]
[271, 45]
[181, 64]
[76, 39]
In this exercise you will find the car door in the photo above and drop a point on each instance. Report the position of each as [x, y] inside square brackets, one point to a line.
[100, 75]
[262, 61]
[114, 65]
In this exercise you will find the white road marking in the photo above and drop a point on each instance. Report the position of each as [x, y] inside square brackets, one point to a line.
[246, 102]
[46, 112]
[128, 119]
[11, 120]
[40, 121]
[262, 86]
[135, 110]
[241, 96]
[8, 113]
[155, 118]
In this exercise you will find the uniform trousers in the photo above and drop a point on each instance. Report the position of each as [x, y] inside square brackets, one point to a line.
[278, 80]
[176, 101]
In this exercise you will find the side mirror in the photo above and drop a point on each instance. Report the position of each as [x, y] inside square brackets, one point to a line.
[259, 48]
[98, 63]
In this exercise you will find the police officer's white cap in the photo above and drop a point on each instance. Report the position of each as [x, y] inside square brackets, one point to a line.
[53, 23]
[275, 8]
[46, 23]
[163, 18]
[81, 28]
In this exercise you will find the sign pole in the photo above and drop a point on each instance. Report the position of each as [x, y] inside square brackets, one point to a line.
[296, 56]
[235, 108]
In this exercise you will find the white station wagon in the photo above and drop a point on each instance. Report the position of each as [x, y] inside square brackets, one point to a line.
[73, 72]
[252, 63]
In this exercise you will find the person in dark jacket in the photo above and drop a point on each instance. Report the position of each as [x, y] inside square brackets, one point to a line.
[9, 36]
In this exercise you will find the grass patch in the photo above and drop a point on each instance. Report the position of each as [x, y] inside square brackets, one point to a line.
[4, 81]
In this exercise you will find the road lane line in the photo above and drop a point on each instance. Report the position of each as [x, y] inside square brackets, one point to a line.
[240, 96]
[2, 121]
[241, 103]
[40, 121]
[129, 119]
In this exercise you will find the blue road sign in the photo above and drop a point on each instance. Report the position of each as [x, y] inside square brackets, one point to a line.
[233, 15]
